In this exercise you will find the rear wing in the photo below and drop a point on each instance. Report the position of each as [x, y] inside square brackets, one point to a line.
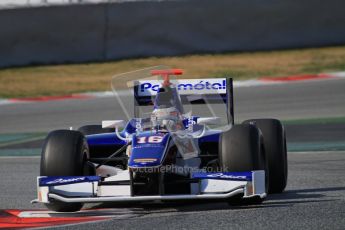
[194, 91]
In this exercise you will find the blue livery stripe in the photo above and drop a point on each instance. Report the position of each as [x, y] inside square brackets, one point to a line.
[62, 180]
[236, 176]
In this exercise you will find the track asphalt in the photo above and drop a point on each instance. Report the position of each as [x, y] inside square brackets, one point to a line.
[314, 198]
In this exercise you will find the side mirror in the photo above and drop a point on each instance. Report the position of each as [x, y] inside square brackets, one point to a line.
[209, 121]
[113, 124]
[117, 124]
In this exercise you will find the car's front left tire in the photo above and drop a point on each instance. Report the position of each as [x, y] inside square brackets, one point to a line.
[241, 150]
[276, 151]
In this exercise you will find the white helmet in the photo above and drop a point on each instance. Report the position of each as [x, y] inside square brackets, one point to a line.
[166, 118]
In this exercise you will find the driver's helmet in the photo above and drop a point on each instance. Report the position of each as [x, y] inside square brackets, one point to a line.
[169, 119]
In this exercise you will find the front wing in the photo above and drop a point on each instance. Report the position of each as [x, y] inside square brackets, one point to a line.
[88, 189]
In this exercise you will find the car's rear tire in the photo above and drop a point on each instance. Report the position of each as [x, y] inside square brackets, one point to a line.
[275, 147]
[65, 153]
[241, 150]
[95, 129]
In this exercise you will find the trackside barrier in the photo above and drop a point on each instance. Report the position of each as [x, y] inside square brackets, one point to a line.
[128, 29]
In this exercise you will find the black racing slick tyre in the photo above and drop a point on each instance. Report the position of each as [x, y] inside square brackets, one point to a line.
[276, 151]
[94, 129]
[64, 153]
[241, 150]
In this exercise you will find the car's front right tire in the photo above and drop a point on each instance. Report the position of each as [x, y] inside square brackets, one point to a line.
[64, 153]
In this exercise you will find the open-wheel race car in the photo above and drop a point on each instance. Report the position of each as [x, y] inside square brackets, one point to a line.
[177, 142]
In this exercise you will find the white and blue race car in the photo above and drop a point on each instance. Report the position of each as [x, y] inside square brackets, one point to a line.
[178, 142]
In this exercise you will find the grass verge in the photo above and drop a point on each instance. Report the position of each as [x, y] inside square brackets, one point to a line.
[75, 78]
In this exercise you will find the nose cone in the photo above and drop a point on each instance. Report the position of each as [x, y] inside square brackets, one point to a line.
[148, 150]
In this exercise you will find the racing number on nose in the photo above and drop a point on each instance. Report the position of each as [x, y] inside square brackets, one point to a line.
[151, 139]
